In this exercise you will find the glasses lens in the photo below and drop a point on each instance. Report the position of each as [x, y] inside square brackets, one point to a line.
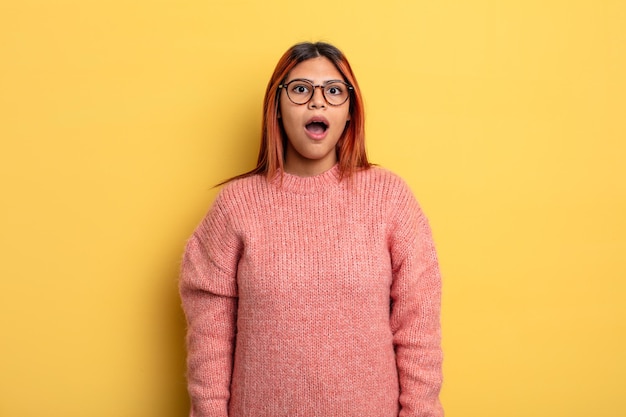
[300, 91]
[336, 93]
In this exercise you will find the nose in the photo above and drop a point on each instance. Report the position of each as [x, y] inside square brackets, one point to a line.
[317, 100]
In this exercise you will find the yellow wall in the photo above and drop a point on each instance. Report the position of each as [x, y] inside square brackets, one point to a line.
[506, 117]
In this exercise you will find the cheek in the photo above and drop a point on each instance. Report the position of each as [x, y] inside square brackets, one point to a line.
[283, 109]
[289, 123]
[289, 115]
[345, 118]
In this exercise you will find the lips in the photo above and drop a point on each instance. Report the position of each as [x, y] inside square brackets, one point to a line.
[316, 127]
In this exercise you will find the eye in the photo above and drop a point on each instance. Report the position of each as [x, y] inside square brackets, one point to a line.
[300, 88]
[335, 89]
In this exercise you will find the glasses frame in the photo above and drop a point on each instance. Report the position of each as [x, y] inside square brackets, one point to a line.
[313, 87]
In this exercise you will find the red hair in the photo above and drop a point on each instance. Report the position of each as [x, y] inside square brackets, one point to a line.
[351, 153]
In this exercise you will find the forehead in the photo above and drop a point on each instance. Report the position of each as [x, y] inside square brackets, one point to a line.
[316, 69]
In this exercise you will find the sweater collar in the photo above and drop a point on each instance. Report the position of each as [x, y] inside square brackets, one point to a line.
[307, 185]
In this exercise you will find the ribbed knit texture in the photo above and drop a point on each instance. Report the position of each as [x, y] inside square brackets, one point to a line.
[313, 297]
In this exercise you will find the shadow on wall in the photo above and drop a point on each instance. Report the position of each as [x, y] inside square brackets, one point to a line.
[180, 395]
[171, 328]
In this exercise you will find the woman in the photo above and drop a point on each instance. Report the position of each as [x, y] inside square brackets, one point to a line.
[312, 287]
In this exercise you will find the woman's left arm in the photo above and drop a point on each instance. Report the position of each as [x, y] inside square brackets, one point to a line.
[415, 314]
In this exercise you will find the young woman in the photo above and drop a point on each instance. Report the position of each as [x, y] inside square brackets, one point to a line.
[312, 287]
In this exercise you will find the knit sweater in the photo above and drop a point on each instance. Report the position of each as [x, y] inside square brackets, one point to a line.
[313, 297]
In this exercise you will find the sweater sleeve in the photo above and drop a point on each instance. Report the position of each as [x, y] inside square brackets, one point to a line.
[208, 291]
[415, 314]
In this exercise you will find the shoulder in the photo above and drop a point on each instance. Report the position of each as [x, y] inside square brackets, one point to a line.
[391, 191]
[241, 184]
[231, 204]
[382, 181]
[240, 190]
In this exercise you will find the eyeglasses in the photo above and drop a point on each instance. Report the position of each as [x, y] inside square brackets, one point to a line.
[301, 91]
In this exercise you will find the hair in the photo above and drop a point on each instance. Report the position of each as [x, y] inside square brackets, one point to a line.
[351, 154]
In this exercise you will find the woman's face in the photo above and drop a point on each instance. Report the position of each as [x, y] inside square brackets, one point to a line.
[313, 129]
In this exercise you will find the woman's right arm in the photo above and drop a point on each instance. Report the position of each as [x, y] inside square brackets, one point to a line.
[208, 291]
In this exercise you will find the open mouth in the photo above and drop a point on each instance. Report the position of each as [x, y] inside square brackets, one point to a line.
[316, 127]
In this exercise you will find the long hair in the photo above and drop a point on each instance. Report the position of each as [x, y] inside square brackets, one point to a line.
[351, 153]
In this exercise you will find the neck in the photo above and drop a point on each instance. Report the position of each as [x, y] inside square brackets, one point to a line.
[297, 164]
[308, 170]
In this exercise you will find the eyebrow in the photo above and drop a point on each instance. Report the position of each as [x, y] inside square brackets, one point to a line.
[311, 81]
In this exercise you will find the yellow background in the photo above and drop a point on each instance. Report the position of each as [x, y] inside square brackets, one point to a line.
[507, 118]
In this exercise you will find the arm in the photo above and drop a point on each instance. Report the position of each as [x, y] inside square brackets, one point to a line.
[208, 291]
[415, 315]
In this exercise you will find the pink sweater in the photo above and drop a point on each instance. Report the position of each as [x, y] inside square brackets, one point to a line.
[317, 298]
